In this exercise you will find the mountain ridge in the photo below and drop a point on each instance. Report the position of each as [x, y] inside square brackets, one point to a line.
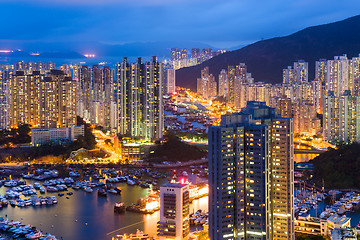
[266, 58]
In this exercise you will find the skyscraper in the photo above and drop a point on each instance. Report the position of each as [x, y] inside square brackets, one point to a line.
[179, 54]
[341, 118]
[299, 74]
[96, 94]
[251, 175]
[231, 80]
[206, 85]
[338, 75]
[285, 107]
[223, 84]
[206, 54]
[170, 81]
[45, 101]
[302, 72]
[4, 101]
[195, 53]
[140, 107]
[174, 211]
[289, 75]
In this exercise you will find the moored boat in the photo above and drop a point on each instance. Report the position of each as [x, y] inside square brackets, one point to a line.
[119, 207]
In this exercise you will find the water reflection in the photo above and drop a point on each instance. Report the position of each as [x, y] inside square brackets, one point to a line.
[87, 216]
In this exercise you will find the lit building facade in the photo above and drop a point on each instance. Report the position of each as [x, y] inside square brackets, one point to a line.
[223, 84]
[170, 81]
[96, 94]
[174, 212]
[251, 175]
[4, 101]
[297, 75]
[42, 100]
[206, 85]
[338, 75]
[341, 119]
[285, 107]
[140, 99]
[41, 136]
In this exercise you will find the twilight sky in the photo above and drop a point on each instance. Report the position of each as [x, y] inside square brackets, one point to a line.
[220, 23]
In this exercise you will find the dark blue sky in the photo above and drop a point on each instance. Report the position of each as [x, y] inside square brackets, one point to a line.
[220, 23]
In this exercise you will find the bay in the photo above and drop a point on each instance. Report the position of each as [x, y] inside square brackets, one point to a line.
[87, 216]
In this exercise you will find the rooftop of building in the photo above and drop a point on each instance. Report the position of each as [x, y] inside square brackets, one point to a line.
[254, 110]
[336, 219]
[174, 185]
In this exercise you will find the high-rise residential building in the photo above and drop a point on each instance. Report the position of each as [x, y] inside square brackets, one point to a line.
[285, 107]
[96, 93]
[341, 118]
[289, 75]
[139, 96]
[305, 120]
[28, 67]
[338, 75]
[241, 72]
[206, 85]
[170, 81]
[174, 54]
[174, 212]
[218, 52]
[184, 54]
[321, 70]
[231, 80]
[251, 175]
[318, 89]
[179, 54]
[4, 100]
[45, 101]
[302, 73]
[355, 63]
[297, 75]
[195, 53]
[223, 84]
[206, 54]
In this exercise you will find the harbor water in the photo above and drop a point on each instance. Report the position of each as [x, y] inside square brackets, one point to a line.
[87, 216]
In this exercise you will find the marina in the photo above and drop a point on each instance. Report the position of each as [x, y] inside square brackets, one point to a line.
[87, 214]
[16, 229]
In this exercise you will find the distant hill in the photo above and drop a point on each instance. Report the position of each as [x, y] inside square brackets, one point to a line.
[266, 59]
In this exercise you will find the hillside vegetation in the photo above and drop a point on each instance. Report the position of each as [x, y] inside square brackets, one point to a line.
[339, 168]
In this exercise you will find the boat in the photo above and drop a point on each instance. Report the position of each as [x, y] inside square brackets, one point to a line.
[119, 207]
[144, 185]
[34, 235]
[138, 236]
[118, 190]
[102, 193]
[112, 191]
[37, 185]
[130, 182]
[53, 199]
[88, 189]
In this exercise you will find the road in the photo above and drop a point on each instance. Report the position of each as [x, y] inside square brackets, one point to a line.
[115, 156]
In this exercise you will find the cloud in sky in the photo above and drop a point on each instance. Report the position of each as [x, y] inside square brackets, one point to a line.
[221, 23]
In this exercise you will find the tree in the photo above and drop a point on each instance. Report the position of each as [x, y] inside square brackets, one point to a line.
[338, 167]
[173, 149]
[309, 237]
[88, 140]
